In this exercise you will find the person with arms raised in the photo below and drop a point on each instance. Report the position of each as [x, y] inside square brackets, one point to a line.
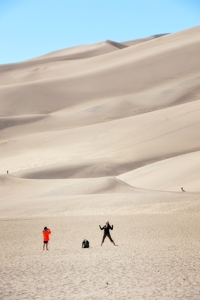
[106, 229]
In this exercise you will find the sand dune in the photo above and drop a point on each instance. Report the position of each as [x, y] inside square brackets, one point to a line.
[125, 72]
[108, 148]
[142, 40]
[106, 185]
[84, 51]
[169, 175]
[107, 131]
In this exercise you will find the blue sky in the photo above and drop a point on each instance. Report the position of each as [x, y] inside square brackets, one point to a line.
[30, 28]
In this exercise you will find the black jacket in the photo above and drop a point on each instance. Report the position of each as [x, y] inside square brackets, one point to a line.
[106, 228]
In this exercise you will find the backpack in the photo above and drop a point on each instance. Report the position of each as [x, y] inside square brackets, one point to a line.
[85, 244]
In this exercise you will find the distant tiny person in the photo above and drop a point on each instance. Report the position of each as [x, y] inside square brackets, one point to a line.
[7, 172]
[182, 189]
[106, 229]
[46, 232]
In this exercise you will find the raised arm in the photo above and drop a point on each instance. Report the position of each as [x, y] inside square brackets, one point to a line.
[100, 227]
[111, 227]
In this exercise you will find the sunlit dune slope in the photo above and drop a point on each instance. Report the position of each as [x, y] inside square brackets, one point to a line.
[170, 175]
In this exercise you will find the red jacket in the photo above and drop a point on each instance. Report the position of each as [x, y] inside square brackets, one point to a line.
[46, 234]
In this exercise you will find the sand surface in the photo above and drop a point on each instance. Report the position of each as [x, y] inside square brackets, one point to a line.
[108, 131]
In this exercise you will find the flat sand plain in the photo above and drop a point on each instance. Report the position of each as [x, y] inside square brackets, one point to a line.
[108, 131]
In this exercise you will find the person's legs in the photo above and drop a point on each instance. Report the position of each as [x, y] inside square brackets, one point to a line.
[104, 236]
[109, 236]
[45, 245]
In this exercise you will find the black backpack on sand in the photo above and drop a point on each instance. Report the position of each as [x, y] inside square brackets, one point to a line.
[85, 244]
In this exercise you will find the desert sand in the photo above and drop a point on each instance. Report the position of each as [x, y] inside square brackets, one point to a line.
[107, 131]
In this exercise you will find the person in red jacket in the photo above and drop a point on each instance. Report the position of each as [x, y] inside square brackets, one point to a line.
[46, 232]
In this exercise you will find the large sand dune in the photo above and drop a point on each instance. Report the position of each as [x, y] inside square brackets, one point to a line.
[111, 131]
